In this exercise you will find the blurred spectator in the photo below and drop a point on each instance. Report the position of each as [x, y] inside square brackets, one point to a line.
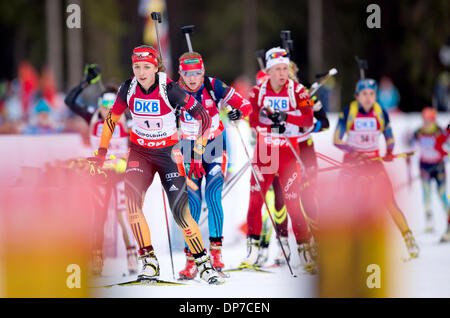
[441, 94]
[13, 103]
[242, 85]
[12, 112]
[48, 86]
[41, 123]
[29, 80]
[441, 98]
[3, 87]
[388, 95]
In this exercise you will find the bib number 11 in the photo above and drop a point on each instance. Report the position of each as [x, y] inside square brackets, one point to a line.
[153, 124]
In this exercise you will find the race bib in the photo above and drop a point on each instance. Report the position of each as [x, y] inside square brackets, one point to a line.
[364, 140]
[152, 128]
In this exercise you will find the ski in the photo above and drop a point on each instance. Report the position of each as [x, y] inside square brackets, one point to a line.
[248, 269]
[222, 273]
[152, 282]
[188, 280]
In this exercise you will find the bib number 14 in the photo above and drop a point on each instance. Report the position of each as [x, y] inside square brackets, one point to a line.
[367, 139]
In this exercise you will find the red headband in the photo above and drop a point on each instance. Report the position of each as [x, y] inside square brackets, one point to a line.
[188, 64]
[144, 54]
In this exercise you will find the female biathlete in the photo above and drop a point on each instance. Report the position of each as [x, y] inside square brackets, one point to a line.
[152, 99]
[273, 156]
[307, 191]
[210, 92]
[357, 134]
[432, 163]
[308, 195]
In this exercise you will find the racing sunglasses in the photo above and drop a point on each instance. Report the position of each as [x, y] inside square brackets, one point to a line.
[275, 55]
[192, 73]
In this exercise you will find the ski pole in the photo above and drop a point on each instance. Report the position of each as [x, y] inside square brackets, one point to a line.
[187, 30]
[168, 233]
[156, 17]
[255, 175]
[297, 157]
[230, 184]
[302, 166]
[399, 155]
[260, 58]
[329, 159]
[328, 169]
[338, 164]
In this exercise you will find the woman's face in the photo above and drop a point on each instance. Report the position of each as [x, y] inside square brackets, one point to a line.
[367, 98]
[145, 73]
[193, 81]
[279, 74]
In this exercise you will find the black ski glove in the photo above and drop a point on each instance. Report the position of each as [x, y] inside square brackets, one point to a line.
[235, 114]
[92, 73]
[277, 116]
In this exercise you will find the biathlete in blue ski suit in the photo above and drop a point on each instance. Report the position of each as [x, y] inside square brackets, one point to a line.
[363, 122]
[212, 93]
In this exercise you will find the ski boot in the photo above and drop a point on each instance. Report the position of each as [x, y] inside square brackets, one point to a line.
[207, 272]
[446, 237]
[96, 262]
[307, 254]
[132, 260]
[263, 254]
[252, 254]
[280, 260]
[215, 250]
[190, 271]
[411, 245]
[150, 265]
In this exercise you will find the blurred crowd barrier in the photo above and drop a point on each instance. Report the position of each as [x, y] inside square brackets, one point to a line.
[45, 217]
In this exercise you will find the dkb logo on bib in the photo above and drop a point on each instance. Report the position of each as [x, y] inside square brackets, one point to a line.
[365, 124]
[281, 103]
[146, 106]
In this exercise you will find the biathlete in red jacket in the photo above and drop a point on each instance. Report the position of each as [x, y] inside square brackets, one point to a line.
[273, 156]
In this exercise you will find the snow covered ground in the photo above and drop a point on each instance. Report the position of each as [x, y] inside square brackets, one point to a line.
[279, 284]
[427, 276]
